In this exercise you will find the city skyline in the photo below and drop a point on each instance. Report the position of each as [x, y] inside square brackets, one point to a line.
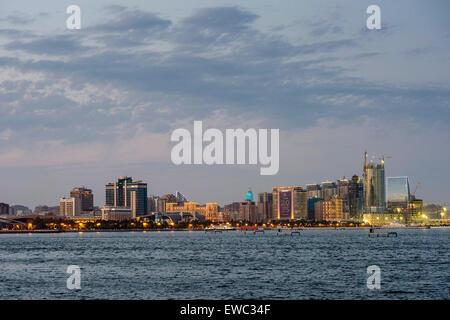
[323, 185]
[83, 107]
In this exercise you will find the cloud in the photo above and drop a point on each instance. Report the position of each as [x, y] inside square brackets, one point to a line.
[6, 134]
[17, 19]
[55, 45]
[113, 94]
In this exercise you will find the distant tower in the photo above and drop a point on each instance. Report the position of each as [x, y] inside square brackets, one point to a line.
[249, 196]
[374, 186]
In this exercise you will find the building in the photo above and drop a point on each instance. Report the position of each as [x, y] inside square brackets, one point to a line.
[265, 206]
[86, 196]
[110, 213]
[355, 198]
[70, 207]
[374, 186]
[210, 210]
[4, 209]
[248, 212]
[19, 210]
[290, 203]
[398, 193]
[313, 191]
[151, 203]
[166, 198]
[331, 210]
[343, 193]
[311, 207]
[329, 189]
[128, 194]
[233, 210]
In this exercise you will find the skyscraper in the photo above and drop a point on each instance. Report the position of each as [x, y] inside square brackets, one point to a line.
[330, 210]
[374, 187]
[265, 206]
[313, 190]
[129, 194]
[86, 197]
[329, 189]
[290, 203]
[398, 191]
[355, 196]
[343, 193]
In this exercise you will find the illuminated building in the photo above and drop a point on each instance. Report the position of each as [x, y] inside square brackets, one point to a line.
[331, 210]
[166, 198]
[374, 187]
[290, 203]
[70, 207]
[210, 210]
[110, 213]
[129, 194]
[86, 197]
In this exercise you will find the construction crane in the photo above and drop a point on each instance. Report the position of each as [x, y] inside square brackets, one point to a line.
[415, 189]
[384, 157]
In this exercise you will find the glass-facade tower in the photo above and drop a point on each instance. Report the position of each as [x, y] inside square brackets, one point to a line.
[398, 192]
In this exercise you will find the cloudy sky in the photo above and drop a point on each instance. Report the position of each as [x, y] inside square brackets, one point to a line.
[83, 107]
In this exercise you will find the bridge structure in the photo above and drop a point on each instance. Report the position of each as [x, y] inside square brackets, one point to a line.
[6, 222]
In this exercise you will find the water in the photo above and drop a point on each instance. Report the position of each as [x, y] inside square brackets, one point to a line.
[318, 264]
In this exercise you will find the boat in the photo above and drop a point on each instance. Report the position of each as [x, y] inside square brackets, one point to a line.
[395, 225]
[219, 228]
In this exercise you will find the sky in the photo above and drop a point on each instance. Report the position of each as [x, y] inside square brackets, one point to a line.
[83, 107]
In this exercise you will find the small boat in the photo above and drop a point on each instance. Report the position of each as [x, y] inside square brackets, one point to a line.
[219, 228]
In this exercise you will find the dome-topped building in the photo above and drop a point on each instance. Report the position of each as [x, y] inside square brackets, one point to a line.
[249, 195]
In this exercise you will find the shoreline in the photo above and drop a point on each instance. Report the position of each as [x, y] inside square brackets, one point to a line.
[197, 230]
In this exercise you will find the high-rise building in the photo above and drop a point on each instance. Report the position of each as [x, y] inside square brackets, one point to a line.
[290, 203]
[329, 189]
[151, 204]
[343, 193]
[265, 206]
[398, 193]
[313, 190]
[70, 207]
[233, 210]
[4, 209]
[248, 212]
[311, 207]
[374, 187]
[86, 196]
[355, 197]
[331, 210]
[129, 194]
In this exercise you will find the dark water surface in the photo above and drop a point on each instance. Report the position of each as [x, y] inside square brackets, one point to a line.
[318, 264]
